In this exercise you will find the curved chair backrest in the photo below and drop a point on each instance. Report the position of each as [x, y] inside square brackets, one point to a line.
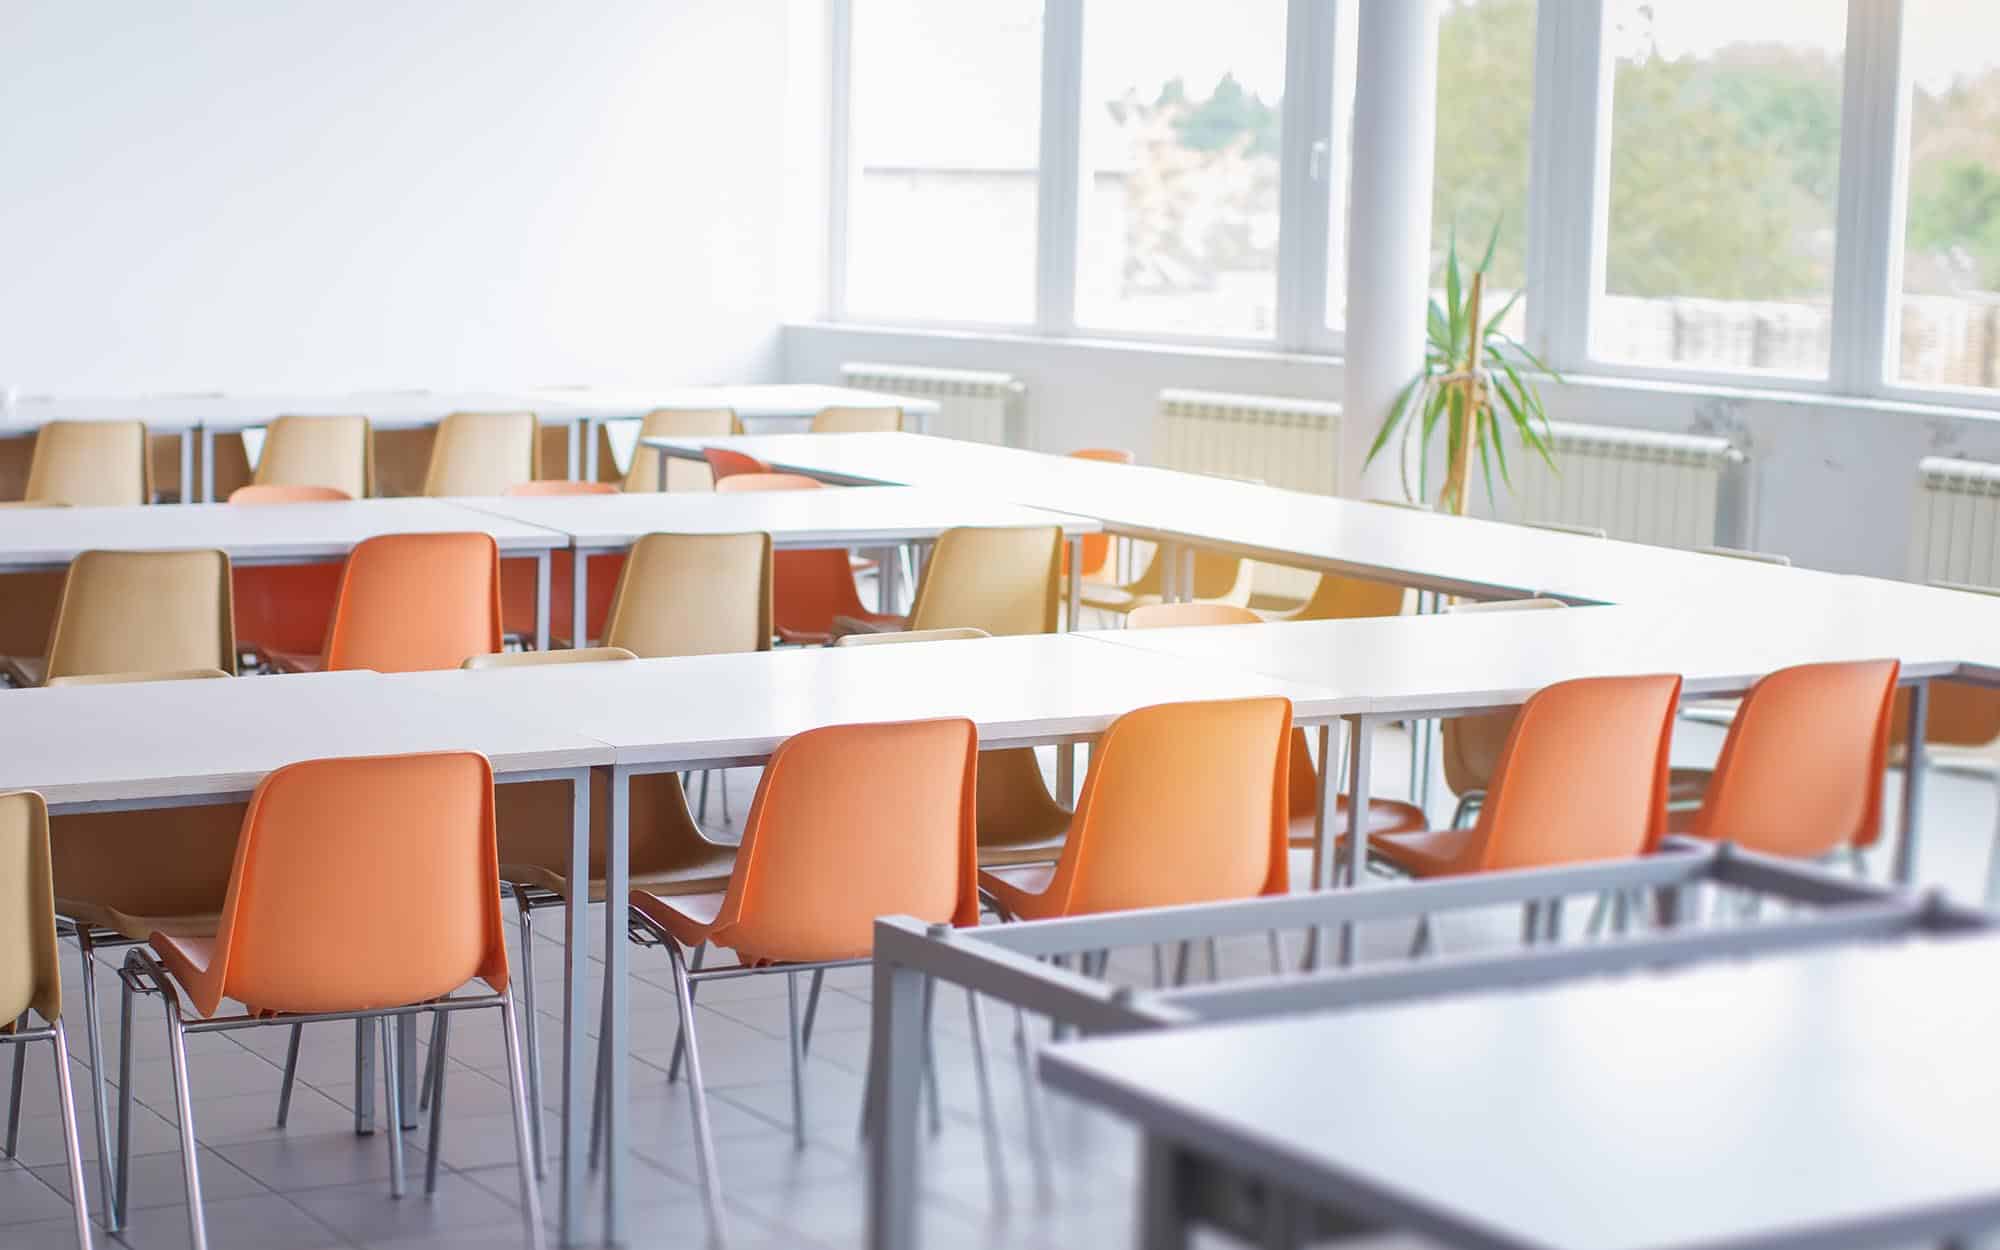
[1801, 771]
[337, 452]
[334, 906]
[644, 475]
[850, 420]
[1337, 598]
[1002, 580]
[29, 975]
[1583, 775]
[693, 594]
[737, 482]
[126, 679]
[1472, 744]
[1172, 615]
[560, 486]
[960, 634]
[483, 453]
[822, 856]
[539, 659]
[1185, 803]
[144, 611]
[723, 463]
[91, 464]
[415, 602]
[259, 494]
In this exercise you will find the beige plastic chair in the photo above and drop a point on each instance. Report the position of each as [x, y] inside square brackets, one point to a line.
[644, 475]
[319, 451]
[30, 978]
[124, 679]
[845, 420]
[693, 594]
[1003, 580]
[483, 453]
[1337, 598]
[138, 612]
[91, 464]
[1472, 744]
[1019, 821]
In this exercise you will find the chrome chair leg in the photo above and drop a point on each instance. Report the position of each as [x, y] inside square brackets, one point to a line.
[14, 1099]
[532, 1032]
[94, 1038]
[1038, 1133]
[440, 1038]
[797, 1054]
[812, 1010]
[711, 1183]
[291, 1073]
[680, 1041]
[531, 1193]
[115, 1203]
[930, 1061]
[392, 1076]
[600, 1090]
[184, 1110]
[431, 1060]
[72, 1145]
[364, 1079]
[989, 1116]
[405, 1031]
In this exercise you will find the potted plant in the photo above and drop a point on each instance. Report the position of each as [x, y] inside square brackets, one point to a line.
[1474, 382]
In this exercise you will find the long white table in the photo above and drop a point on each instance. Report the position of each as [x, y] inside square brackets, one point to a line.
[725, 710]
[793, 403]
[864, 519]
[49, 538]
[1840, 1097]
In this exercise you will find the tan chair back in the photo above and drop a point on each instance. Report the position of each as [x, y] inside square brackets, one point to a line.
[538, 659]
[319, 451]
[1002, 580]
[844, 420]
[644, 475]
[1472, 744]
[483, 453]
[29, 976]
[91, 464]
[126, 679]
[910, 635]
[144, 612]
[693, 594]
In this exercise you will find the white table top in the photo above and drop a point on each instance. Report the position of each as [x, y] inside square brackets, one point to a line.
[225, 412]
[52, 537]
[772, 400]
[157, 740]
[708, 709]
[1453, 554]
[1497, 659]
[859, 517]
[1726, 1104]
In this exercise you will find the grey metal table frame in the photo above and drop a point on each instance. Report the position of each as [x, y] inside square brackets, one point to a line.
[1007, 962]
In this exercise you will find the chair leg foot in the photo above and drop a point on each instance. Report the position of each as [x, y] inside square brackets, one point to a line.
[14, 1099]
[531, 1036]
[184, 1108]
[531, 1193]
[72, 1145]
[812, 1010]
[392, 1074]
[796, 1051]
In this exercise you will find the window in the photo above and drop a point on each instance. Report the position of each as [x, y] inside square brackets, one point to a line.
[944, 135]
[1180, 143]
[1486, 93]
[1725, 154]
[1950, 309]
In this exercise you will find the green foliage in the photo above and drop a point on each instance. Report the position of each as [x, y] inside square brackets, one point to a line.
[1954, 207]
[1228, 115]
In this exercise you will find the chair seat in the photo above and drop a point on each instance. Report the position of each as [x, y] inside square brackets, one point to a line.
[1021, 888]
[136, 927]
[872, 623]
[1109, 598]
[1432, 853]
[689, 918]
[710, 873]
[185, 958]
[1385, 816]
[1027, 851]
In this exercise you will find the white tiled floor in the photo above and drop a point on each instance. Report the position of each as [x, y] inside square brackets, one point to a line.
[316, 1185]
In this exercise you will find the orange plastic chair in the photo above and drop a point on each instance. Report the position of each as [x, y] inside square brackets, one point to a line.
[285, 607]
[560, 486]
[1097, 547]
[1184, 803]
[335, 911]
[31, 978]
[416, 602]
[738, 482]
[723, 463]
[821, 858]
[811, 588]
[1801, 771]
[517, 577]
[1583, 776]
[1384, 815]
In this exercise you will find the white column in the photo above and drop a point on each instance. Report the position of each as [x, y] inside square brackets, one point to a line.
[1389, 226]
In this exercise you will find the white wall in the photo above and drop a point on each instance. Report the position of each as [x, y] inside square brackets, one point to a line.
[1831, 480]
[244, 196]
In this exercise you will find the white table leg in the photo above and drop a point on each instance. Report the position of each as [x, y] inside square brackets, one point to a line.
[1188, 592]
[1075, 583]
[542, 561]
[188, 492]
[579, 598]
[617, 996]
[1913, 783]
[576, 1015]
[887, 562]
[576, 429]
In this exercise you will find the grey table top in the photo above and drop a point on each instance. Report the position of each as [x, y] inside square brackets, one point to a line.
[1842, 1097]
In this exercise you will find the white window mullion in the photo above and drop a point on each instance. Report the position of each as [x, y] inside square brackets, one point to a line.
[1568, 180]
[1306, 175]
[1058, 199]
[1868, 223]
[840, 173]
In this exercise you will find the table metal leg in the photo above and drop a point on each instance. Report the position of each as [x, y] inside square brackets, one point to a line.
[1164, 1190]
[1066, 774]
[1168, 557]
[542, 562]
[1913, 783]
[1325, 836]
[664, 460]
[1360, 763]
[590, 441]
[895, 1063]
[888, 561]
[207, 491]
[576, 1015]
[576, 440]
[579, 598]
[1187, 587]
[1075, 584]
[617, 1014]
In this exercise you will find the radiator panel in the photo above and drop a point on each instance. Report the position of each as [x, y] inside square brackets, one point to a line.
[1953, 525]
[1294, 443]
[1638, 485]
[977, 405]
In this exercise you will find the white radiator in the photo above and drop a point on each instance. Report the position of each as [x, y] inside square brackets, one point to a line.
[973, 404]
[1957, 515]
[1672, 490]
[1293, 443]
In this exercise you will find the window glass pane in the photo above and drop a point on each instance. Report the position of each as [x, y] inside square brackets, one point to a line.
[944, 144]
[1725, 152]
[1179, 230]
[1950, 332]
